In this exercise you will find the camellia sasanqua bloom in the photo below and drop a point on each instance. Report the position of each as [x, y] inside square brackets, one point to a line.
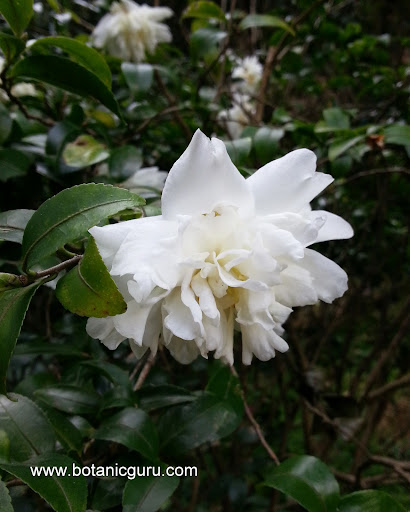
[130, 30]
[237, 117]
[249, 73]
[227, 253]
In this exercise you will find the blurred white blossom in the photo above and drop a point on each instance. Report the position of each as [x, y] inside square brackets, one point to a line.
[236, 118]
[249, 73]
[130, 30]
[227, 252]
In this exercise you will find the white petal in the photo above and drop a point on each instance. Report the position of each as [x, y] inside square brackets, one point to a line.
[131, 324]
[334, 228]
[296, 288]
[205, 296]
[261, 342]
[287, 184]
[201, 178]
[183, 351]
[103, 329]
[329, 280]
[177, 317]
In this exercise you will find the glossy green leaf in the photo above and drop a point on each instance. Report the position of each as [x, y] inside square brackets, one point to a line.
[13, 223]
[17, 13]
[139, 77]
[334, 120]
[71, 399]
[134, 429]
[68, 435]
[88, 57]
[13, 307]
[265, 20]
[204, 10]
[225, 385]
[88, 289]
[35, 348]
[369, 501]
[118, 397]
[84, 151]
[266, 143]
[111, 371]
[207, 419]
[340, 146]
[11, 46]
[64, 493]
[4, 445]
[5, 500]
[155, 397]
[27, 427]
[148, 494]
[66, 75]
[308, 481]
[13, 163]
[69, 215]
[239, 149]
[124, 161]
[397, 134]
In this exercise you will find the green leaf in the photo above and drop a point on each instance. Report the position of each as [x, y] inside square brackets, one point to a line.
[5, 500]
[66, 75]
[266, 143]
[397, 134]
[6, 123]
[155, 397]
[148, 494]
[225, 385]
[71, 399]
[205, 10]
[63, 493]
[139, 77]
[134, 429]
[204, 41]
[4, 445]
[84, 55]
[84, 151]
[13, 307]
[17, 13]
[11, 46]
[239, 149]
[68, 215]
[88, 289]
[68, 435]
[369, 501]
[334, 120]
[10, 281]
[341, 145]
[111, 371]
[207, 419]
[27, 427]
[13, 223]
[308, 481]
[13, 163]
[124, 161]
[265, 20]
[35, 348]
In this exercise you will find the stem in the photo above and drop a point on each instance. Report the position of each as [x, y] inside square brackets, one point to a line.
[256, 425]
[57, 268]
[144, 372]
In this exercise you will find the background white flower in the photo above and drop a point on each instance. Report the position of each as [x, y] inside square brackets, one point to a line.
[249, 71]
[130, 30]
[226, 252]
[18, 90]
[236, 118]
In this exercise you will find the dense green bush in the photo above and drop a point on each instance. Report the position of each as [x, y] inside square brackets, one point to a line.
[76, 120]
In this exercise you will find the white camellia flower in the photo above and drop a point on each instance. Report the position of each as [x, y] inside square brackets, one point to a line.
[249, 71]
[236, 118]
[227, 252]
[130, 30]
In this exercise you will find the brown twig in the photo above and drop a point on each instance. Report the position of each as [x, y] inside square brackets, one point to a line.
[144, 372]
[57, 268]
[274, 54]
[256, 425]
[388, 388]
[372, 172]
